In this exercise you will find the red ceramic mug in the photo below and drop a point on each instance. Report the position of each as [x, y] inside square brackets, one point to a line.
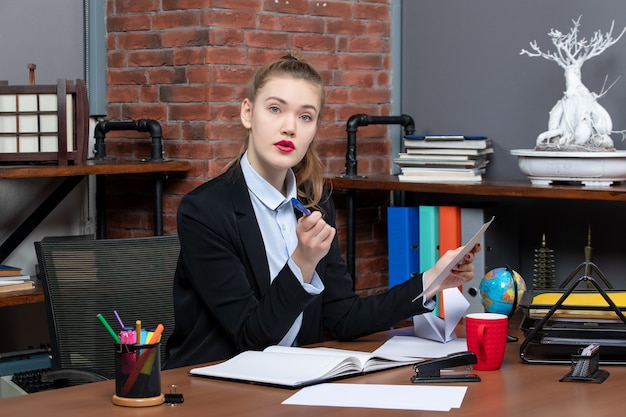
[486, 337]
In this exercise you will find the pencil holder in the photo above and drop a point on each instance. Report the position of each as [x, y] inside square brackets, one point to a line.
[137, 375]
[585, 368]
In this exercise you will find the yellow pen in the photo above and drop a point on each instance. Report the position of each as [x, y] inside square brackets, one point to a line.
[138, 332]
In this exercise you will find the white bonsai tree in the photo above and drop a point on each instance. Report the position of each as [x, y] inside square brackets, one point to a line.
[577, 122]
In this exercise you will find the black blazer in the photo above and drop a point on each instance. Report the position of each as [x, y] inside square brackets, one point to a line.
[223, 300]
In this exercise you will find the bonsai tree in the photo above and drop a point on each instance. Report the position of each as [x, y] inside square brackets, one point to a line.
[577, 121]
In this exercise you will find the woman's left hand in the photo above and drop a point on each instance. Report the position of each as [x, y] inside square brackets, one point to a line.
[460, 274]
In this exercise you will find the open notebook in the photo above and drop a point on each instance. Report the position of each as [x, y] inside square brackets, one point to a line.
[295, 367]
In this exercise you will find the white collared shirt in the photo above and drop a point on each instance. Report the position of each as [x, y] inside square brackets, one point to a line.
[277, 221]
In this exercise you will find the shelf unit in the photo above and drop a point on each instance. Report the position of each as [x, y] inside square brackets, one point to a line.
[487, 190]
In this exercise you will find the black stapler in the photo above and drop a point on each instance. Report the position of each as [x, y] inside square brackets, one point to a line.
[430, 370]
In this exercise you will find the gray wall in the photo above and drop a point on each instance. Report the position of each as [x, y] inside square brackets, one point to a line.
[48, 33]
[463, 72]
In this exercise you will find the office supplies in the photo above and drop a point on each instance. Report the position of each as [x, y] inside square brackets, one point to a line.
[131, 391]
[138, 332]
[108, 327]
[403, 243]
[585, 366]
[445, 137]
[431, 370]
[298, 205]
[9, 271]
[294, 367]
[172, 398]
[556, 331]
[429, 241]
[119, 320]
[458, 258]
[449, 239]
[14, 278]
[156, 335]
[9, 286]
[418, 347]
[361, 397]
[145, 360]
[474, 142]
[433, 327]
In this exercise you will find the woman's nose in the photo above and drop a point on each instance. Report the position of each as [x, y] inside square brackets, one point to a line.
[289, 126]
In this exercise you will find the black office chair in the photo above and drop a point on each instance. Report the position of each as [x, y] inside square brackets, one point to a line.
[84, 278]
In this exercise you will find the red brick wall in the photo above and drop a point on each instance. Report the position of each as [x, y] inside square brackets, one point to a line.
[186, 63]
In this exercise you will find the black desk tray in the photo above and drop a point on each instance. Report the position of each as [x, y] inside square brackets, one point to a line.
[555, 332]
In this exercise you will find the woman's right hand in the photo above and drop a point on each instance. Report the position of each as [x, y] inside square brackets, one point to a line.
[315, 237]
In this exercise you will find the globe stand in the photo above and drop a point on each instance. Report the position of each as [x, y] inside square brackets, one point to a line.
[509, 338]
[514, 304]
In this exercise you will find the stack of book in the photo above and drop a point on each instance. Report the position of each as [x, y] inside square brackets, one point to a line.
[11, 279]
[444, 158]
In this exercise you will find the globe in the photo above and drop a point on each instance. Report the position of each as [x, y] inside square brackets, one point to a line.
[498, 288]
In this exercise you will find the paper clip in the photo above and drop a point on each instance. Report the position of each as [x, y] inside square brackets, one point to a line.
[173, 398]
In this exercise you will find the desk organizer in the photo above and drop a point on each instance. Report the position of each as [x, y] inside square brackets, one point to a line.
[585, 368]
[44, 123]
[561, 323]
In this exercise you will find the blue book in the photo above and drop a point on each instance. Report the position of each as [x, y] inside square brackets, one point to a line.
[403, 243]
[447, 142]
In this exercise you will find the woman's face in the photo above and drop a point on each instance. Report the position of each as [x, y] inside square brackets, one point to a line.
[282, 122]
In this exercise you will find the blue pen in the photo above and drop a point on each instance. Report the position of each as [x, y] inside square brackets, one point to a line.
[300, 206]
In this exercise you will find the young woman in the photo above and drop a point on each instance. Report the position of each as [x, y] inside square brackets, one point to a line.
[253, 271]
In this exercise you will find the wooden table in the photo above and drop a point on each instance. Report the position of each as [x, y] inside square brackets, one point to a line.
[516, 390]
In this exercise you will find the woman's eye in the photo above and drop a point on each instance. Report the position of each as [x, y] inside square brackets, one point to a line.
[306, 117]
[274, 109]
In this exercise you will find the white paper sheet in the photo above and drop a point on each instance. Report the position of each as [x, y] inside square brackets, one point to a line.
[430, 326]
[458, 258]
[416, 347]
[398, 397]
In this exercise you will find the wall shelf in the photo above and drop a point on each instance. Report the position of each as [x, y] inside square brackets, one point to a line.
[492, 188]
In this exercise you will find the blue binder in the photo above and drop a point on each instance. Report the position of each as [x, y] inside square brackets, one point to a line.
[403, 243]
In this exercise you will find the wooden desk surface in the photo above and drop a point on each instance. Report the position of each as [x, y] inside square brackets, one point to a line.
[516, 389]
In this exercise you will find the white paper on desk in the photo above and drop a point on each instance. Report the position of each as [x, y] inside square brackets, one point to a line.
[416, 347]
[458, 258]
[398, 397]
[430, 326]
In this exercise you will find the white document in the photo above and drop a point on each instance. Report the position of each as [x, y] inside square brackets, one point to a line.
[420, 348]
[398, 397]
[458, 258]
[430, 326]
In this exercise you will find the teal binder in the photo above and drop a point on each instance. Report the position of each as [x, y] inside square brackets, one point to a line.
[429, 240]
[428, 236]
[403, 243]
